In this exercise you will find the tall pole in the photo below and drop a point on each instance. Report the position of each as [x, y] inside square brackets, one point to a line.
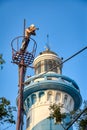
[24, 27]
[22, 70]
[23, 59]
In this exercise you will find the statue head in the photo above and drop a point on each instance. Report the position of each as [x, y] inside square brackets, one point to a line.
[32, 29]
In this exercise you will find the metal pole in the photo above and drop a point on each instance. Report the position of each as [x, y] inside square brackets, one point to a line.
[22, 70]
[24, 27]
[22, 61]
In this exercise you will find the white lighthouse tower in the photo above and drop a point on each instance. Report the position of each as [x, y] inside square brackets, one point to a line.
[46, 87]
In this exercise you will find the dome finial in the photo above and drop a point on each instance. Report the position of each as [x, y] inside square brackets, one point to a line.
[47, 44]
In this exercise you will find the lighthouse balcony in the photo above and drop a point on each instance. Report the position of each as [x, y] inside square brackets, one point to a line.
[52, 77]
[53, 81]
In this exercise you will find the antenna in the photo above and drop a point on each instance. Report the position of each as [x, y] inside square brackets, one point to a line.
[47, 38]
[24, 27]
[47, 44]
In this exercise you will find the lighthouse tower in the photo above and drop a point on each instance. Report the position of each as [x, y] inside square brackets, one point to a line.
[46, 87]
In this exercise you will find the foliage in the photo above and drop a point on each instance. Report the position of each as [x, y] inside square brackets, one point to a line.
[79, 116]
[6, 112]
[56, 113]
[2, 61]
[82, 121]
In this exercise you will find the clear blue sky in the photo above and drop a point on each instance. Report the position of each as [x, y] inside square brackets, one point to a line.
[66, 23]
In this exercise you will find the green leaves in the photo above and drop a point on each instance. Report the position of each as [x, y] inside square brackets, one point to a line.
[83, 119]
[2, 61]
[79, 116]
[56, 113]
[81, 123]
[6, 111]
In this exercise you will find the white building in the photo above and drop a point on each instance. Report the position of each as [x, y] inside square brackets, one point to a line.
[46, 87]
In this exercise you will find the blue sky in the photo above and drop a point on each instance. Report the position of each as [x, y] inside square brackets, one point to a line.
[66, 24]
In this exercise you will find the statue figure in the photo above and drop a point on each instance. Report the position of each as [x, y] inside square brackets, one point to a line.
[28, 32]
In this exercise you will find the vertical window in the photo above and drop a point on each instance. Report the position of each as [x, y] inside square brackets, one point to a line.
[49, 96]
[49, 64]
[41, 94]
[70, 102]
[46, 66]
[54, 66]
[33, 97]
[28, 102]
[65, 98]
[25, 106]
[39, 67]
[58, 96]
[71, 105]
[28, 122]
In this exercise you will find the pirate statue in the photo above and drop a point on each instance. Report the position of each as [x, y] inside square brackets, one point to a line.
[28, 32]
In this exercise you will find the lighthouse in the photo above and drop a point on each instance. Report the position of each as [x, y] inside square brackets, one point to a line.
[48, 86]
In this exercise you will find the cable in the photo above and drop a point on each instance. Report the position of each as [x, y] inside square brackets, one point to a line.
[62, 62]
[76, 119]
[69, 58]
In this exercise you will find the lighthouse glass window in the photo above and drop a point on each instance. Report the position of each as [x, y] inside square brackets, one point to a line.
[38, 68]
[50, 65]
